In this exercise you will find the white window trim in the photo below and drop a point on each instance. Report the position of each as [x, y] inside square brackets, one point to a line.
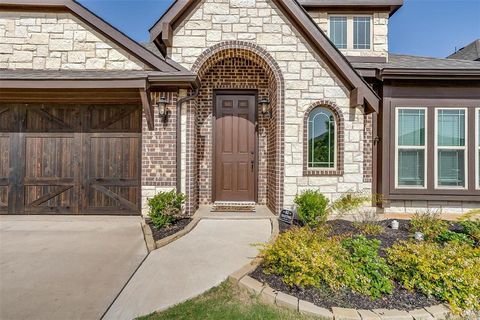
[335, 143]
[424, 148]
[464, 148]
[477, 148]
[350, 35]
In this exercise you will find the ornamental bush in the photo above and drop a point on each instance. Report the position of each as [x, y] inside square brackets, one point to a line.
[429, 224]
[312, 207]
[449, 272]
[165, 208]
[472, 229]
[304, 257]
[449, 236]
[364, 270]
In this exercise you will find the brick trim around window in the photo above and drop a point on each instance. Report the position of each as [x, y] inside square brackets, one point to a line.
[339, 122]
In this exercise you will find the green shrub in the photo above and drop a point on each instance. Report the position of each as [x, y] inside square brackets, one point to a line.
[312, 207]
[471, 228]
[349, 202]
[165, 208]
[449, 272]
[429, 224]
[364, 270]
[449, 236]
[369, 228]
[304, 257]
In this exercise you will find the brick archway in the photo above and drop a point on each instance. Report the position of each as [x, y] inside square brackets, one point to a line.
[255, 69]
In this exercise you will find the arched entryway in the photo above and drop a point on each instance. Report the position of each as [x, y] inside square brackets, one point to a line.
[234, 77]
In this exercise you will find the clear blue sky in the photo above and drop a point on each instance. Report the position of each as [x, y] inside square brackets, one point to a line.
[421, 27]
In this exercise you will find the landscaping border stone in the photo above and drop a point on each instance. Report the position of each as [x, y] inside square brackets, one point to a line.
[268, 295]
[148, 236]
[163, 242]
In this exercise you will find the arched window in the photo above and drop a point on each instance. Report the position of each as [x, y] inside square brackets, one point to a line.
[322, 136]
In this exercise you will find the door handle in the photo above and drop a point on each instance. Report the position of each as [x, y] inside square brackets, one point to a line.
[252, 163]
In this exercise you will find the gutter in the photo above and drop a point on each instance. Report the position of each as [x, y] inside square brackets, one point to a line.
[179, 137]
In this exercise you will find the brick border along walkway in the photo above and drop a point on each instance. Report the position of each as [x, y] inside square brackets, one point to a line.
[270, 296]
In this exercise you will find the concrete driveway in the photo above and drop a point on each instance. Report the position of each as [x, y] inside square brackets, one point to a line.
[65, 267]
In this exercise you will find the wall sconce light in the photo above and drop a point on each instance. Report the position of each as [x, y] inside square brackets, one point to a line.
[162, 109]
[265, 107]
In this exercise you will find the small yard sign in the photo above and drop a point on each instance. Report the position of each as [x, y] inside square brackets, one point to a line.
[286, 216]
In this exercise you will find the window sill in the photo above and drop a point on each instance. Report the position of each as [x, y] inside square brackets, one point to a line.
[322, 172]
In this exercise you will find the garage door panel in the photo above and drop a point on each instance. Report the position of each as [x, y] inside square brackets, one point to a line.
[50, 157]
[50, 198]
[6, 119]
[116, 119]
[114, 198]
[52, 119]
[114, 157]
[3, 198]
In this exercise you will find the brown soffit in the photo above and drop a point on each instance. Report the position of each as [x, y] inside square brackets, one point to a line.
[74, 84]
[303, 22]
[98, 24]
[375, 5]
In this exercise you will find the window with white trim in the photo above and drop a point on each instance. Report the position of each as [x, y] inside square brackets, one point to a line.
[322, 152]
[477, 121]
[451, 148]
[338, 31]
[351, 32]
[410, 148]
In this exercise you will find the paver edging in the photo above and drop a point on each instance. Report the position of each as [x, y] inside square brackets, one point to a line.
[148, 236]
[167, 240]
[287, 301]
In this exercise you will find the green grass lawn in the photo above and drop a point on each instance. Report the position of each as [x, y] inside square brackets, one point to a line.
[225, 302]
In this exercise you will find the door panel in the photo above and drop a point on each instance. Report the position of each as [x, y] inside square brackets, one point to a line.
[235, 160]
[70, 159]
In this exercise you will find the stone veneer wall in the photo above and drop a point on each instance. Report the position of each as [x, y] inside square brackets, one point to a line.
[307, 80]
[57, 41]
[159, 151]
[414, 206]
[379, 29]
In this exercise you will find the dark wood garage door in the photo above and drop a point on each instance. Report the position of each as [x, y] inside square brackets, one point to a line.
[70, 159]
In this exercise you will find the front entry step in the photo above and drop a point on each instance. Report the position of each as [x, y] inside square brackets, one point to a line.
[233, 206]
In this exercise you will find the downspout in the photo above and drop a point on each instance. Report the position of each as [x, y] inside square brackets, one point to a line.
[179, 137]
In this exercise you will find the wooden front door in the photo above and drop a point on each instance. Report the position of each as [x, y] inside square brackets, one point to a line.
[235, 146]
[70, 159]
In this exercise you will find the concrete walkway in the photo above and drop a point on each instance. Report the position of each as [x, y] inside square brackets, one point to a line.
[189, 266]
[65, 267]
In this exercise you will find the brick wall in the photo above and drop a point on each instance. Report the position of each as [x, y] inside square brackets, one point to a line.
[159, 151]
[57, 41]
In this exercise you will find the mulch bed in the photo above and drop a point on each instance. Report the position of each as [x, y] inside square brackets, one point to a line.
[168, 231]
[399, 299]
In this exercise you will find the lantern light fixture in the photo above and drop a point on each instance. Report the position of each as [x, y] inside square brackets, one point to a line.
[265, 107]
[162, 109]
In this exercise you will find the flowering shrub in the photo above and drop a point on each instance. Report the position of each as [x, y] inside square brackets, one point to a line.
[449, 272]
